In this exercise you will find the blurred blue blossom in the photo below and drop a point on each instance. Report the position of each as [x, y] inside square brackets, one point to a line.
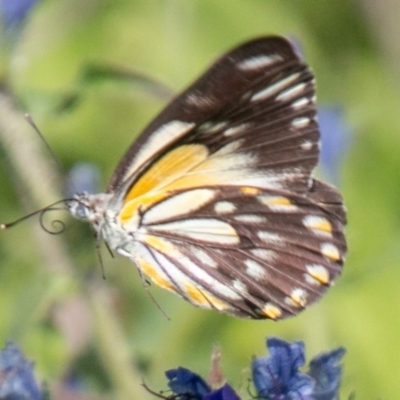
[83, 177]
[326, 369]
[276, 377]
[224, 393]
[186, 385]
[14, 12]
[336, 134]
[184, 382]
[16, 376]
[336, 139]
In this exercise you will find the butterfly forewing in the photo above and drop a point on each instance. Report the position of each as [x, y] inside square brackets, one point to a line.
[215, 200]
[255, 102]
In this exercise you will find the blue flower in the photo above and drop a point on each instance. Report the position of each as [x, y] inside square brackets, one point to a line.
[336, 138]
[224, 393]
[186, 385]
[83, 177]
[184, 382]
[277, 377]
[14, 12]
[16, 376]
[327, 372]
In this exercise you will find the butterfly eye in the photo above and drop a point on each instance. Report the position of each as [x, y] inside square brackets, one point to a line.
[79, 207]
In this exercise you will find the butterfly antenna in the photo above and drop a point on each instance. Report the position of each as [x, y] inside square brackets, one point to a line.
[41, 212]
[67, 180]
[31, 122]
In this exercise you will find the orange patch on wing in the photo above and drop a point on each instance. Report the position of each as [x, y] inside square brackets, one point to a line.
[196, 296]
[321, 274]
[168, 169]
[131, 208]
[278, 201]
[331, 252]
[155, 276]
[162, 245]
[212, 171]
[324, 225]
[318, 224]
[250, 190]
[204, 299]
[271, 311]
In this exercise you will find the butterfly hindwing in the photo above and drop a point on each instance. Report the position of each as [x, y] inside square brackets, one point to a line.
[244, 250]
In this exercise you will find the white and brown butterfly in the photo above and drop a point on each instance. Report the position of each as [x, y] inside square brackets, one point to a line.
[215, 200]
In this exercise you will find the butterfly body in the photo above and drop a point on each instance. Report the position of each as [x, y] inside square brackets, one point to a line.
[215, 201]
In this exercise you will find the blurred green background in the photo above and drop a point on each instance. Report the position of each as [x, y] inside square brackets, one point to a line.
[109, 334]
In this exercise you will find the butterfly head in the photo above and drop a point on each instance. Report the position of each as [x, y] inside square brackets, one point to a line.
[89, 207]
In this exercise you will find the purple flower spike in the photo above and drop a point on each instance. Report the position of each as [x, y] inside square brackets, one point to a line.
[14, 12]
[16, 376]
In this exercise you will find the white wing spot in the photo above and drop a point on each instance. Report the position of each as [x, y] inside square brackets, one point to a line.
[299, 297]
[234, 130]
[239, 286]
[204, 257]
[306, 145]
[258, 62]
[271, 311]
[224, 207]
[312, 281]
[264, 254]
[275, 88]
[229, 148]
[318, 225]
[210, 127]
[255, 270]
[269, 237]
[301, 122]
[180, 204]
[300, 103]
[291, 92]
[200, 101]
[250, 218]
[319, 272]
[330, 251]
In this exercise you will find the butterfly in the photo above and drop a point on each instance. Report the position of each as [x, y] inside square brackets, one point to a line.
[215, 201]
